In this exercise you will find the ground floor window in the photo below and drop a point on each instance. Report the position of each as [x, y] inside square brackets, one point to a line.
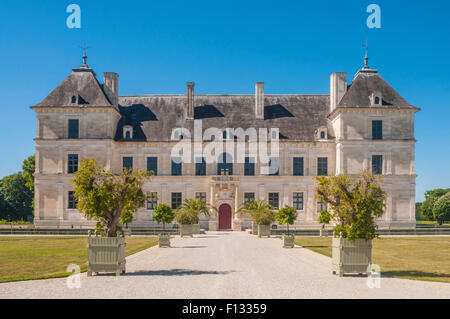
[71, 202]
[274, 200]
[248, 197]
[152, 200]
[176, 200]
[201, 195]
[321, 205]
[297, 201]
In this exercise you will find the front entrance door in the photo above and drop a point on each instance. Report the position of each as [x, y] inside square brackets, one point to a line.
[224, 217]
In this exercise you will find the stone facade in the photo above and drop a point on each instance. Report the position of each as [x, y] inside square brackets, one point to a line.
[336, 126]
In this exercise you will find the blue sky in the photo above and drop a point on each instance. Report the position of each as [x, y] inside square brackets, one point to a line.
[225, 46]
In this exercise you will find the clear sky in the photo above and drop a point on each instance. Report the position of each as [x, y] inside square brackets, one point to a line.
[226, 46]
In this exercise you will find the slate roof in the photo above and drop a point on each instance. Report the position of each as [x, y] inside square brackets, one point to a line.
[154, 116]
[367, 82]
[81, 82]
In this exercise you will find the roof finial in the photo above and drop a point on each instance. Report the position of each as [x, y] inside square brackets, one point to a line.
[366, 59]
[84, 56]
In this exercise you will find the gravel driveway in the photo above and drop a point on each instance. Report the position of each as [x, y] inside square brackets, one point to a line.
[225, 265]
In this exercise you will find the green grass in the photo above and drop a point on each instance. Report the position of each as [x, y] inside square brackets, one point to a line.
[420, 258]
[25, 258]
[431, 222]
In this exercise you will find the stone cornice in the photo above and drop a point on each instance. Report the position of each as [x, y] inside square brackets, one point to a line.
[338, 110]
[73, 109]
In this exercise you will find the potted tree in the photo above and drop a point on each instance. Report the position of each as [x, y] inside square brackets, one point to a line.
[262, 214]
[185, 218]
[163, 214]
[193, 208]
[248, 208]
[109, 199]
[354, 202]
[287, 215]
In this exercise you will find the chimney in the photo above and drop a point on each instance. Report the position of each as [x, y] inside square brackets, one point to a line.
[111, 87]
[338, 87]
[259, 100]
[190, 100]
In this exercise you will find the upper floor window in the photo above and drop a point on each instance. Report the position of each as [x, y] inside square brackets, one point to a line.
[298, 166]
[71, 201]
[176, 166]
[73, 131]
[274, 166]
[200, 166]
[377, 130]
[72, 163]
[152, 200]
[249, 166]
[322, 166]
[127, 163]
[248, 197]
[297, 201]
[377, 164]
[225, 165]
[274, 200]
[176, 200]
[152, 165]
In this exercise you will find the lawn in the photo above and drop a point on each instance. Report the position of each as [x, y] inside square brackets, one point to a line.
[24, 258]
[421, 258]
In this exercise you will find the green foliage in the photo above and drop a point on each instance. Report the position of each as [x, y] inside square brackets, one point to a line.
[431, 196]
[163, 214]
[108, 198]
[418, 211]
[28, 168]
[15, 222]
[287, 215]
[190, 210]
[15, 198]
[259, 210]
[441, 209]
[324, 217]
[354, 203]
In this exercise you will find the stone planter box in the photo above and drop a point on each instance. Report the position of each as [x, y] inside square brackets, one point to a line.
[254, 229]
[106, 254]
[263, 230]
[186, 230]
[288, 241]
[351, 256]
[196, 228]
[164, 240]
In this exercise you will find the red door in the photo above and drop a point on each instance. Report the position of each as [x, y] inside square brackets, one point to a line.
[224, 216]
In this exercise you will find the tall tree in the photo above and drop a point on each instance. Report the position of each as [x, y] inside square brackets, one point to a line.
[16, 198]
[106, 197]
[441, 209]
[431, 196]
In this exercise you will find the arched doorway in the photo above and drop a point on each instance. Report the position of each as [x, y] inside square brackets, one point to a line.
[224, 217]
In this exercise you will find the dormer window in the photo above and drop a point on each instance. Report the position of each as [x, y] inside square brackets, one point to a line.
[375, 99]
[321, 133]
[74, 99]
[128, 132]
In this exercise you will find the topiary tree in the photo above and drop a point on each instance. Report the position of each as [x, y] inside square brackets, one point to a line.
[441, 209]
[106, 197]
[163, 214]
[259, 210]
[287, 215]
[354, 202]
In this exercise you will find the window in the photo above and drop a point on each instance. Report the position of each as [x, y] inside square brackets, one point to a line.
[377, 130]
[201, 195]
[74, 99]
[274, 166]
[321, 205]
[273, 200]
[248, 197]
[249, 166]
[377, 100]
[297, 201]
[128, 135]
[377, 164]
[322, 134]
[152, 165]
[176, 166]
[200, 166]
[72, 163]
[176, 200]
[225, 165]
[71, 201]
[298, 166]
[322, 166]
[73, 129]
[127, 163]
[152, 200]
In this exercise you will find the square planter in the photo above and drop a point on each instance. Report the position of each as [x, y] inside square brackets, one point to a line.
[288, 241]
[164, 240]
[186, 230]
[254, 229]
[106, 254]
[263, 230]
[351, 256]
[196, 228]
